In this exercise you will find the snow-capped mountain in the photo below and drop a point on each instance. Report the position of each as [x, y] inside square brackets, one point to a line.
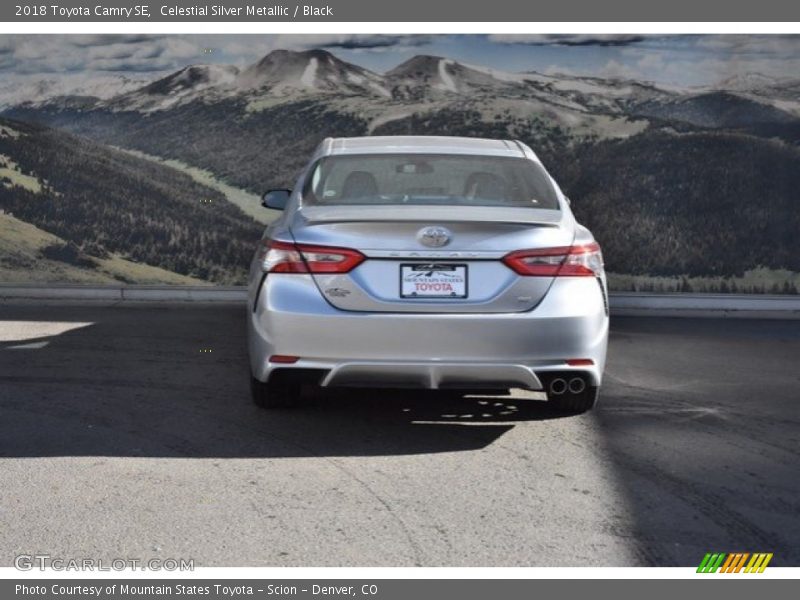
[781, 93]
[186, 84]
[284, 75]
[194, 77]
[586, 105]
[431, 75]
[280, 74]
[35, 90]
[747, 82]
[285, 71]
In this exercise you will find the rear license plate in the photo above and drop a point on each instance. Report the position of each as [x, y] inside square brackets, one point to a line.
[433, 280]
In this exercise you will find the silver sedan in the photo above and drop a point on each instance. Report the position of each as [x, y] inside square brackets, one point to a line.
[426, 262]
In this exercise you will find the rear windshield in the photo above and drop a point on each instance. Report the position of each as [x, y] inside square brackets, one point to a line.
[429, 180]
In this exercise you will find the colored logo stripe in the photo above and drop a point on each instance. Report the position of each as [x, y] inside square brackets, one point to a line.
[703, 563]
[734, 562]
[758, 563]
[711, 563]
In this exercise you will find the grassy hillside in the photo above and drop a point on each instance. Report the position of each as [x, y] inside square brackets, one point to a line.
[11, 175]
[753, 281]
[701, 204]
[248, 203]
[107, 202]
[253, 150]
[669, 200]
[23, 259]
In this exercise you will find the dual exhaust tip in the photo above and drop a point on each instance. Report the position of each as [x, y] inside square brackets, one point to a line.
[560, 385]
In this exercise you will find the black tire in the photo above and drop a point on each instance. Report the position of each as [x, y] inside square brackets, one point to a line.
[575, 403]
[275, 394]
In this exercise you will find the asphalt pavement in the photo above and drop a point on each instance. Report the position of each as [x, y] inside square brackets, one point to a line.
[126, 431]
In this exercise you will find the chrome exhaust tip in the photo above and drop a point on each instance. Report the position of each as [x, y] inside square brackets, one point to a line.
[558, 386]
[577, 385]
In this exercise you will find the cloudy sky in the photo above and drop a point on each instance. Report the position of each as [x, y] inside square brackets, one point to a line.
[675, 60]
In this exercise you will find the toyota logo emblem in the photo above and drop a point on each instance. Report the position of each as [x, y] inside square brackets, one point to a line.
[434, 237]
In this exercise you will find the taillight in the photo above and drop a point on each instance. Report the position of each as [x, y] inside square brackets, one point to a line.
[280, 257]
[322, 259]
[566, 261]
[285, 257]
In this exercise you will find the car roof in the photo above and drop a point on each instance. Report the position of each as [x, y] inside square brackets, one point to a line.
[424, 144]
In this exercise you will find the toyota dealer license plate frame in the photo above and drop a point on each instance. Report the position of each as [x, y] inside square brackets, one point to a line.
[434, 280]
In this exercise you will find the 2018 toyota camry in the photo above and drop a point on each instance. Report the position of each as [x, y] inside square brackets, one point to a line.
[427, 262]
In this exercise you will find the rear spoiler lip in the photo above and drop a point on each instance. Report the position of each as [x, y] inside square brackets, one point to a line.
[416, 214]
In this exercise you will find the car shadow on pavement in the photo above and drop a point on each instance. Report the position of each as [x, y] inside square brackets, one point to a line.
[698, 425]
[172, 381]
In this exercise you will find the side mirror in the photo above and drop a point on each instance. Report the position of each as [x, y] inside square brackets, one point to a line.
[276, 199]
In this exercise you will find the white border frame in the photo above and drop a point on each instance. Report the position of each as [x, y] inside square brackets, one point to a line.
[311, 28]
[294, 27]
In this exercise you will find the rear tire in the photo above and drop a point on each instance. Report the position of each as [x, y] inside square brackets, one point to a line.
[275, 394]
[575, 403]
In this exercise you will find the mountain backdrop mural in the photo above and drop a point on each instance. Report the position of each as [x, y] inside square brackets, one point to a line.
[155, 178]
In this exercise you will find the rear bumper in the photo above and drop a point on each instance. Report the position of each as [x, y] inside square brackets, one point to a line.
[427, 350]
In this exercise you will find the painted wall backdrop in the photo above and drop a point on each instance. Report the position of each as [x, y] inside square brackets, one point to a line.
[140, 159]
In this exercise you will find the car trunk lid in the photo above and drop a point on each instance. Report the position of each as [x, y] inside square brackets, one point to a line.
[404, 273]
